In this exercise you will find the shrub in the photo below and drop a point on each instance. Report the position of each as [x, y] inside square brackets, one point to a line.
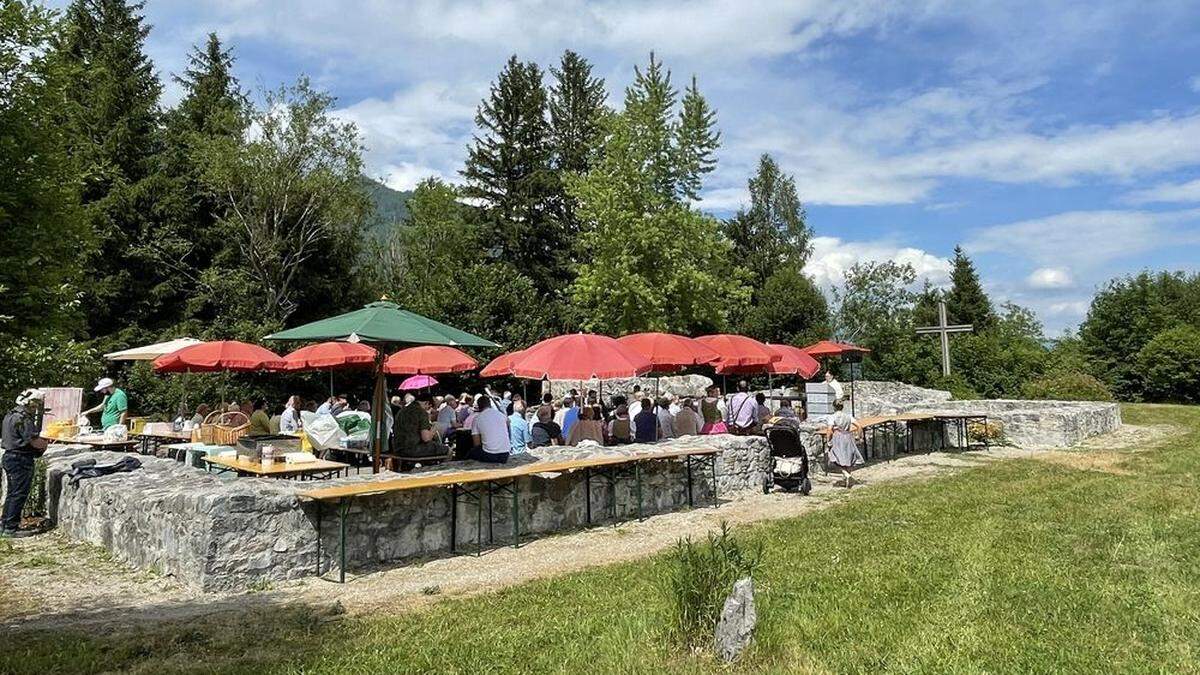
[1068, 386]
[48, 361]
[1169, 365]
[957, 385]
[702, 576]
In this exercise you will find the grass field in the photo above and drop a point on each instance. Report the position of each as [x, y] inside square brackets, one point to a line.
[1020, 565]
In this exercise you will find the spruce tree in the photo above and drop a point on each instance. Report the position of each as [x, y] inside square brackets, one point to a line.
[509, 171]
[966, 302]
[771, 232]
[649, 104]
[577, 113]
[110, 116]
[696, 142]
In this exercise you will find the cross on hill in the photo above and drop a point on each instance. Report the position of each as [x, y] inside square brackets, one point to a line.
[944, 331]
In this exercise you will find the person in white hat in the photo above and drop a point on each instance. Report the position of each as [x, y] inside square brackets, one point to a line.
[114, 409]
[21, 444]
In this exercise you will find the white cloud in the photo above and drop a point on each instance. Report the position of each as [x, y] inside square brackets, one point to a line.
[1166, 192]
[1087, 239]
[1194, 83]
[1049, 277]
[832, 256]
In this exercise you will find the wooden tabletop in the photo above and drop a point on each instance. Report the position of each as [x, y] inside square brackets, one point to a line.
[276, 468]
[177, 435]
[100, 444]
[484, 475]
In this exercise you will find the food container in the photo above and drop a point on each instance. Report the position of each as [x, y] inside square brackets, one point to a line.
[268, 454]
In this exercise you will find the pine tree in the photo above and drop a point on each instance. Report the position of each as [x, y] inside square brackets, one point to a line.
[110, 115]
[966, 302]
[649, 104]
[577, 111]
[696, 143]
[509, 170]
[771, 232]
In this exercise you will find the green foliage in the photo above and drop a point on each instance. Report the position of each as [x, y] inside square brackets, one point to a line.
[998, 361]
[1169, 365]
[702, 576]
[771, 233]
[697, 141]
[966, 301]
[789, 309]
[45, 361]
[577, 111]
[1062, 385]
[1125, 315]
[956, 384]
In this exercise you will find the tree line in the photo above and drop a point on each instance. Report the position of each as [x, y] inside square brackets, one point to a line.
[231, 214]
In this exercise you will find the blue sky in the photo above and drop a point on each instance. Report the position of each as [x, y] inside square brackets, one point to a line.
[1058, 142]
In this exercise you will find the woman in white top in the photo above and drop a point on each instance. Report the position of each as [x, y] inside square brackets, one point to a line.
[843, 449]
[289, 421]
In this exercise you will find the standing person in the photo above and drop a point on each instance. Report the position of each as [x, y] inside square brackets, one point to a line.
[587, 428]
[114, 409]
[22, 445]
[743, 412]
[489, 431]
[843, 450]
[260, 422]
[620, 429]
[518, 428]
[666, 421]
[289, 421]
[687, 421]
[762, 411]
[545, 431]
[710, 411]
[838, 392]
[635, 407]
[645, 423]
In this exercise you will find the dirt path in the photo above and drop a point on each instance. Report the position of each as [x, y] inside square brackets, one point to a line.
[48, 582]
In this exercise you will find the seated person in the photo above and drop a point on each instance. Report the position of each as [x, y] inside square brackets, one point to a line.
[620, 431]
[588, 428]
[412, 434]
[545, 431]
[666, 420]
[260, 423]
[786, 410]
[489, 431]
[687, 421]
[764, 413]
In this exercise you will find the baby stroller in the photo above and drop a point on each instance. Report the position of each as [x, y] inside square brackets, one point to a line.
[789, 461]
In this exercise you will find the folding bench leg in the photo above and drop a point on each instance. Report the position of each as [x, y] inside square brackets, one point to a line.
[453, 518]
[343, 509]
[587, 493]
[319, 514]
[688, 462]
[516, 514]
[637, 476]
[712, 460]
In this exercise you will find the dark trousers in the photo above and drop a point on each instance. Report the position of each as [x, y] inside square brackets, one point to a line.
[478, 454]
[18, 476]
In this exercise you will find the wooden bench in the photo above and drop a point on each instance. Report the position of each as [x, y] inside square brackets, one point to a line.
[474, 486]
[871, 426]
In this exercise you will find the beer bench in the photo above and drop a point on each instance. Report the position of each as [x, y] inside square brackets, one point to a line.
[890, 424]
[476, 486]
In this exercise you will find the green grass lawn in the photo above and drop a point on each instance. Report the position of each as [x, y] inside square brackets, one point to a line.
[1021, 565]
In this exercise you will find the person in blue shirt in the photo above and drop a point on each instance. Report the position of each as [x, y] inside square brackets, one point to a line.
[518, 428]
[570, 417]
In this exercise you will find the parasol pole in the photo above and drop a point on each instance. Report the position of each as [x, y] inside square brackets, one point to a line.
[379, 404]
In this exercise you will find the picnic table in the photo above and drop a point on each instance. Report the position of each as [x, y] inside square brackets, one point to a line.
[127, 445]
[317, 469]
[150, 442]
[889, 425]
[475, 486]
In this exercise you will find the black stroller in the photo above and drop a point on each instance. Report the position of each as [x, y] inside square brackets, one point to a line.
[789, 461]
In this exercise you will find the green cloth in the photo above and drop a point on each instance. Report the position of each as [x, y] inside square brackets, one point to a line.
[411, 420]
[384, 322]
[260, 424]
[114, 404]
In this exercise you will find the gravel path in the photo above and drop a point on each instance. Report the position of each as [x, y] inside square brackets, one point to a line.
[49, 582]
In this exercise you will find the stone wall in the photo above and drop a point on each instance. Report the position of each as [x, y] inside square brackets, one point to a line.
[886, 398]
[216, 533]
[1040, 424]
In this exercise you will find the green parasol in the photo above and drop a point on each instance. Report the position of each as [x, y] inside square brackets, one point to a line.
[382, 322]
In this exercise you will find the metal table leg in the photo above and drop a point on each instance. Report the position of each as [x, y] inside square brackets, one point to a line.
[587, 493]
[637, 475]
[319, 515]
[688, 462]
[343, 509]
[454, 518]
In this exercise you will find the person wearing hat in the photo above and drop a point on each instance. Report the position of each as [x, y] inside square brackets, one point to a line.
[114, 409]
[21, 444]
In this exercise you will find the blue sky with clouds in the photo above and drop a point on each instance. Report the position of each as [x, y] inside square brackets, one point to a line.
[1058, 142]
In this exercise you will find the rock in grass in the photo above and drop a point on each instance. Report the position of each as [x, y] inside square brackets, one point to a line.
[738, 618]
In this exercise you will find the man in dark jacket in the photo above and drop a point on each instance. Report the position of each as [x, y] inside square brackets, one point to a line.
[21, 444]
[645, 423]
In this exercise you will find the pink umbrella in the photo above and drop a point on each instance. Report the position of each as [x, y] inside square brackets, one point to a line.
[418, 382]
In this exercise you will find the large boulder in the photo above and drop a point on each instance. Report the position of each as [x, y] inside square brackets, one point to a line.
[735, 628]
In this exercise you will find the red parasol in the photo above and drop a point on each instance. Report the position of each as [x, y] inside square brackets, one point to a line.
[499, 366]
[428, 359]
[329, 355]
[793, 362]
[738, 351]
[209, 357]
[669, 352]
[580, 356]
[826, 348]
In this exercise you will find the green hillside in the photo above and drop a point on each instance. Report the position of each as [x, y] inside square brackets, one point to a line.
[390, 207]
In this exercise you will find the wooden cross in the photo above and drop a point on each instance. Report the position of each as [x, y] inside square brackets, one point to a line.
[944, 330]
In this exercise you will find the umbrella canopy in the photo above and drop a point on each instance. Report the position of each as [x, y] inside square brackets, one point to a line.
[581, 356]
[151, 352]
[793, 362]
[383, 322]
[428, 359]
[418, 382]
[738, 351]
[826, 348]
[500, 366]
[222, 355]
[330, 355]
[668, 352]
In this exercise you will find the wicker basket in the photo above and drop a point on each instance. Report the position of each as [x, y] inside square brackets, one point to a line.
[223, 428]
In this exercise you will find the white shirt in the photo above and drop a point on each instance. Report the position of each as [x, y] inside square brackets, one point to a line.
[666, 424]
[288, 422]
[445, 419]
[838, 392]
[634, 409]
[492, 428]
